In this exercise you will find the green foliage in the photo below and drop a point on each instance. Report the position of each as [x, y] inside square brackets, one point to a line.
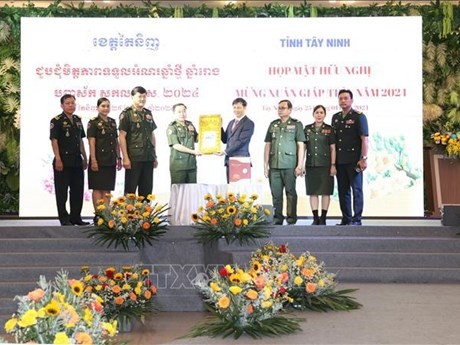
[332, 301]
[441, 25]
[215, 326]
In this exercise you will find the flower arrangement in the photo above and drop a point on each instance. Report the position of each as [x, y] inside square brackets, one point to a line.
[234, 218]
[129, 219]
[126, 293]
[60, 312]
[243, 303]
[304, 278]
[447, 139]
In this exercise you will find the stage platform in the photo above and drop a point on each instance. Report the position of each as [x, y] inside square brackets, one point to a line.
[380, 251]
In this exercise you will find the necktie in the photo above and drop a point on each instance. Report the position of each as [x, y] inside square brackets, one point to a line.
[235, 123]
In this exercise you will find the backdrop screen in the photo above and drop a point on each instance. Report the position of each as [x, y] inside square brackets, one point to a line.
[206, 63]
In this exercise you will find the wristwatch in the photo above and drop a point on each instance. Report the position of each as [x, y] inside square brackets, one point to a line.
[364, 157]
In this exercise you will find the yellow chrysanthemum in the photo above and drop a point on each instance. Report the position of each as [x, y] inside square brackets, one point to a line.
[229, 269]
[118, 276]
[214, 286]
[253, 210]
[235, 289]
[137, 290]
[88, 317]
[111, 328]
[10, 324]
[284, 268]
[151, 197]
[61, 338]
[126, 287]
[156, 220]
[100, 201]
[254, 196]
[267, 304]
[267, 292]
[28, 319]
[267, 211]
[146, 214]
[208, 197]
[321, 283]
[298, 280]
[123, 220]
[245, 222]
[100, 207]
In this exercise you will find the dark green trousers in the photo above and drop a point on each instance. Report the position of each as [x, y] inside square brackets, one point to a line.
[283, 179]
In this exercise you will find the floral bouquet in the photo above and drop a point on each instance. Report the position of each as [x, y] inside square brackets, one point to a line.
[129, 219]
[243, 303]
[234, 218]
[126, 293]
[60, 312]
[447, 139]
[304, 278]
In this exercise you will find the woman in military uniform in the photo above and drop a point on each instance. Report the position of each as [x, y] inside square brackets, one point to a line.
[182, 137]
[320, 164]
[104, 151]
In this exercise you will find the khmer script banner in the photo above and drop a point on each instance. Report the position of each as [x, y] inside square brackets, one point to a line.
[206, 64]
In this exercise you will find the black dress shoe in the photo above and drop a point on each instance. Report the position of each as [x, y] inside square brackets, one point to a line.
[66, 223]
[80, 223]
[343, 223]
[291, 221]
[356, 223]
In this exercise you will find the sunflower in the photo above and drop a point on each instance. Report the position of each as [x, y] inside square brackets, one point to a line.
[231, 210]
[52, 308]
[145, 272]
[256, 266]
[77, 288]
[195, 217]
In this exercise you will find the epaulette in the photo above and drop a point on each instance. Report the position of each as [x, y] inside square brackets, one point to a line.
[294, 120]
[275, 121]
[93, 118]
[78, 117]
[172, 123]
[57, 117]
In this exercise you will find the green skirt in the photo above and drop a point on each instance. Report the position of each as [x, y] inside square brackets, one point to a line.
[318, 181]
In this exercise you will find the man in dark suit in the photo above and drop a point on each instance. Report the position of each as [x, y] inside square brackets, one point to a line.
[238, 134]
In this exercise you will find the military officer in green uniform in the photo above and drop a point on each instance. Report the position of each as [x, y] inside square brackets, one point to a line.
[137, 143]
[66, 133]
[182, 136]
[319, 164]
[283, 158]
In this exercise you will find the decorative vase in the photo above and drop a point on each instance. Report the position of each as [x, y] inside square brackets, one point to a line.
[125, 324]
